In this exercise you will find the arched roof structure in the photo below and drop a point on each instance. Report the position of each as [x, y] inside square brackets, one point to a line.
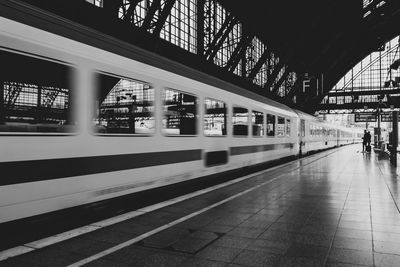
[290, 51]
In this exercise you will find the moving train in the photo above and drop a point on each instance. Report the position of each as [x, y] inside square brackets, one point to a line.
[80, 123]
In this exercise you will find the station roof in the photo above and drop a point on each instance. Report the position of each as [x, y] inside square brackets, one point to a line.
[321, 36]
[315, 38]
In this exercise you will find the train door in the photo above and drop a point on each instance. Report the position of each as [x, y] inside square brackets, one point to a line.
[302, 134]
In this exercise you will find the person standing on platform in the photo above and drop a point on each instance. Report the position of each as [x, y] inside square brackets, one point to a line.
[367, 140]
[364, 143]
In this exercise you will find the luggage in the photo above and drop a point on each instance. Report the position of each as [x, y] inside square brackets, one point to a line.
[368, 148]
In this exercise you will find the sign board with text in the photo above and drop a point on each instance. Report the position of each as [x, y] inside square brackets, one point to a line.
[365, 117]
[387, 117]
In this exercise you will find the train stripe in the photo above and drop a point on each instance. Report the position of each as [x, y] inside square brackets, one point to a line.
[37, 170]
[238, 150]
[17, 172]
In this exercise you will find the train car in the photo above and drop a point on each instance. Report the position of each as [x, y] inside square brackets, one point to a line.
[316, 135]
[81, 124]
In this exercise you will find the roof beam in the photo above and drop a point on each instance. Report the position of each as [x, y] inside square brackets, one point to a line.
[200, 27]
[353, 105]
[220, 37]
[129, 15]
[295, 89]
[163, 16]
[271, 78]
[258, 65]
[238, 53]
[281, 80]
[218, 34]
[156, 5]
[365, 92]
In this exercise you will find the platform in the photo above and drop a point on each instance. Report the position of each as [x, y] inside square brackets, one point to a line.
[335, 208]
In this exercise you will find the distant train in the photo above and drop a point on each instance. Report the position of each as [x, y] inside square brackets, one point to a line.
[80, 124]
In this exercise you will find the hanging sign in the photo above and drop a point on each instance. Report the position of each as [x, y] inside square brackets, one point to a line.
[387, 117]
[365, 117]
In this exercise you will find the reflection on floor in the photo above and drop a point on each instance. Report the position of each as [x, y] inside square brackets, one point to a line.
[337, 208]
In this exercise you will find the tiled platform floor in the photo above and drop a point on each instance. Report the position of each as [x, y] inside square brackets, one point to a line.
[336, 208]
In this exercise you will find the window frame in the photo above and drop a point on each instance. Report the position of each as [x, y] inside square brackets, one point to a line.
[247, 124]
[288, 124]
[74, 96]
[226, 117]
[302, 127]
[197, 115]
[93, 73]
[284, 126]
[263, 124]
[275, 123]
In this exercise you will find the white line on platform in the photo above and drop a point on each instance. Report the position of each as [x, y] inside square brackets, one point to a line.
[12, 252]
[16, 251]
[159, 229]
[61, 237]
[98, 225]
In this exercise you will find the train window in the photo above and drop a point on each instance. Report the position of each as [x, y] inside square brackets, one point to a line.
[270, 125]
[240, 121]
[287, 127]
[180, 113]
[123, 106]
[302, 127]
[280, 131]
[35, 95]
[257, 120]
[214, 117]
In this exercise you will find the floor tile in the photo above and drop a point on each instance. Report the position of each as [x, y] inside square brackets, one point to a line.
[299, 250]
[352, 243]
[386, 260]
[217, 253]
[350, 256]
[253, 258]
[387, 247]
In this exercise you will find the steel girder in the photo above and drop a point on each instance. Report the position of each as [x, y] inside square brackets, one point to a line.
[280, 81]
[200, 27]
[154, 7]
[239, 52]
[261, 61]
[350, 106]
[163, 16]
[364, 92]
[113, 8]
[271, 78]
[220, 37]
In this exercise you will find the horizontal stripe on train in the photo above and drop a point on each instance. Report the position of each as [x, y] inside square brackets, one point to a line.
[238, 150]
[37, 170]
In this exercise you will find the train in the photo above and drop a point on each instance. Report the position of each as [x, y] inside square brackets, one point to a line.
[81, 124]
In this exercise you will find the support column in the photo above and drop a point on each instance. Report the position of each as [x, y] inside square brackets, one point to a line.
[395, 138]
[379, 129]
[2, 108]
[200, 28]
[38, 115]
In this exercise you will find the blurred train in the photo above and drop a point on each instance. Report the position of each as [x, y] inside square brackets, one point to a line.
[80, 123]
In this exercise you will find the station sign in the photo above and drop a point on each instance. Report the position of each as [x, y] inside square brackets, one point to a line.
[365, 117]
[387, 117]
